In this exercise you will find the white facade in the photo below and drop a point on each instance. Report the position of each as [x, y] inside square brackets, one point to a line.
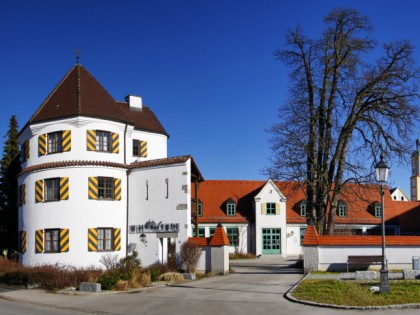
[270, 223]
[160, 209]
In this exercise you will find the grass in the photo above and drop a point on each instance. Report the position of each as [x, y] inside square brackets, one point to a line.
[357, 293]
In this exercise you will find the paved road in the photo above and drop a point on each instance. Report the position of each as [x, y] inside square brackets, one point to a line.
[255, 287]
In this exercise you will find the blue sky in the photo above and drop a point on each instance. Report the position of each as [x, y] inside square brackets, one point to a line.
[206, 68]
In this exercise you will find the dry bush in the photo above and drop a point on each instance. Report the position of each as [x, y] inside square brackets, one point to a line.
[121, 285]
[190, 254]
[8, 265]
[110, 261]
[172, 277]
[144, 279]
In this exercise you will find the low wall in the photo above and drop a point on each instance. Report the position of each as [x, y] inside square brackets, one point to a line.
[214, 259]
[330, 252]
[334, 258]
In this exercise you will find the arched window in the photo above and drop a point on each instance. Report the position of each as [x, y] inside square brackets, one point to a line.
[342, 209]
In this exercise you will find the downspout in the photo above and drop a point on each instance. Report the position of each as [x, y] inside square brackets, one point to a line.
[127, 185]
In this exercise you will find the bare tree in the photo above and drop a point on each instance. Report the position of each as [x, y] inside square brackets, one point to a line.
[347, 104]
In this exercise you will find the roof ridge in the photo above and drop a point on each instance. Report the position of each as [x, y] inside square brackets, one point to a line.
[49, 95]
[79, 103]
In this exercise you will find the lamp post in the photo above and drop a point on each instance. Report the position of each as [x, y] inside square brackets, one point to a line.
[381, 176]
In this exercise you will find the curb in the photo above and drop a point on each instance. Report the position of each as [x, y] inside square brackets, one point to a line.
[288, 296]
[74, 309]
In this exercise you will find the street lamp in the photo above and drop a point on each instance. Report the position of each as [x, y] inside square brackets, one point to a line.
[381, 176]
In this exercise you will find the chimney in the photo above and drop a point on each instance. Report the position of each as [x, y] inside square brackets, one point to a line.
[134, 102]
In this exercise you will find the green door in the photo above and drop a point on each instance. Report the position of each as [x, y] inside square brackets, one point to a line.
[271, 241]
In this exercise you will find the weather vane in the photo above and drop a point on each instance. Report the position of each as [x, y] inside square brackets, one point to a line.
[77, 50]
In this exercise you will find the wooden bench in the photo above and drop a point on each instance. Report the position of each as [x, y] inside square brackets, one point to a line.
[364, 260]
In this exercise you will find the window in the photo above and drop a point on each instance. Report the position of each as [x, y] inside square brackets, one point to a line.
[105, 188]
[54, 142]
[24, 151]
[342, 209]
[233, 235]
[52, 241]
[302, 234]
[303, 208]
[140, 148]
[200, 209]
[136, 148]
[201, 232]
[103, 141]
[271, 208]
[52, 189]
[104, 239]
[230, 208]
[378, 210]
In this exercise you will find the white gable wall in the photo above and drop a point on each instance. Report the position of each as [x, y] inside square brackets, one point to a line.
[270, 194]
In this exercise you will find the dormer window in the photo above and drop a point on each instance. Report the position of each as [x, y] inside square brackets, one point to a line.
[200, 209]
[231, 208]
[377, 210]
[342, 209]
[303, 208]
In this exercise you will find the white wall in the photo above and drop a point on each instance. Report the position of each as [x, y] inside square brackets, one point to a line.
[294, 247]
[155, 206]
[78, 213]
[156, 143]
[335, 257]
[270, 193]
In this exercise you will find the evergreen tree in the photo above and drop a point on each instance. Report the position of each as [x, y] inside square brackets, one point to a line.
[10, 168]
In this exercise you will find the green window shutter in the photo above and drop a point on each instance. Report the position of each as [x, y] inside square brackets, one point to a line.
[64, 188]
[66, 138]
[277, 208]
[22, 241]
[39, 241]
[143, 148]
[27, 150]
[115, 143]
[64, 240]
[39, 191]
[117, 188]
[91, 140]
[117, 239]
[92, 240]
[263, 208]
[42, 145]
[93, 188]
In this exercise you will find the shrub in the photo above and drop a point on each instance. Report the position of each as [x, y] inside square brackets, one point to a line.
[190, 254]
[15, 278]
[109, 279]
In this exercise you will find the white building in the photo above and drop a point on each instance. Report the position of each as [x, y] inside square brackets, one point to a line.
[91, 168]
[96, 180]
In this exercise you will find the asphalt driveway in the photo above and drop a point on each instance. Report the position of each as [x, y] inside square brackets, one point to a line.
[254, 287]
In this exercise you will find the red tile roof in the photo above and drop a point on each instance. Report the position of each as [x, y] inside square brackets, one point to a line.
[199, 241]
[312, 238]
[213, 194]
[143, 164]
[359, 198]
[80, 94]
[219, 237]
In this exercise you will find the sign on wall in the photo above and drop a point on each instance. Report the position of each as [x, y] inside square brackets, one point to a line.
[153, 227]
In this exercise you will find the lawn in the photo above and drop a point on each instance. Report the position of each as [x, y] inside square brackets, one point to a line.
[357, 293]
